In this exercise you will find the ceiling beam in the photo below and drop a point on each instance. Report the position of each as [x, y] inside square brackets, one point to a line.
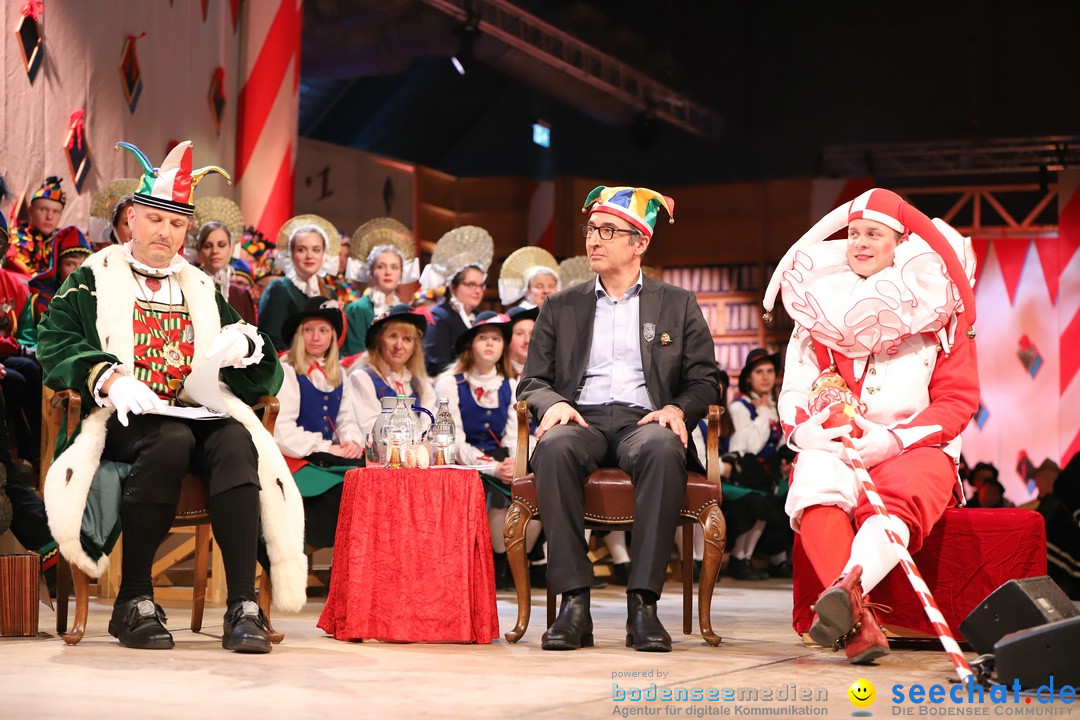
[528, 34]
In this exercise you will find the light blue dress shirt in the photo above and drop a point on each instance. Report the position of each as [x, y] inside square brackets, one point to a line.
[614, 373]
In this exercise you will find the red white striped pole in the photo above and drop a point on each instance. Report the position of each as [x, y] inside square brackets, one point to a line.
[933, 614]
[267, 108]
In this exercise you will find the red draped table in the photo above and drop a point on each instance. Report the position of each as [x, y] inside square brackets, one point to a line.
[412, 559]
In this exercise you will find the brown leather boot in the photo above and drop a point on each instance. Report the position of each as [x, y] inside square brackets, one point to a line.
[837, 610]
[866, 642]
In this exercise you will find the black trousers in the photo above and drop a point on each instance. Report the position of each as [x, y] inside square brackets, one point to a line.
[162, 450]
[654, 459]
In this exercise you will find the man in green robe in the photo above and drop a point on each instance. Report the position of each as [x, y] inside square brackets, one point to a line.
[126, 330]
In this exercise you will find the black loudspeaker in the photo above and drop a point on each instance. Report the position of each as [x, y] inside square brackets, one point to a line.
[1016, 605]
[1035, 655]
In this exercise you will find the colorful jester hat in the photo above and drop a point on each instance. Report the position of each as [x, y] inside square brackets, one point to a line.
[170, 186]
[638, 206]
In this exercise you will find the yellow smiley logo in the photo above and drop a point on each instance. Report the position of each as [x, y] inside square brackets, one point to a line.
[862, 693]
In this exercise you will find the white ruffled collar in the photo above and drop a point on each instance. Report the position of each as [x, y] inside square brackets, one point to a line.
[460, 309]
[380, 301]
[310, 287]
[859, 316]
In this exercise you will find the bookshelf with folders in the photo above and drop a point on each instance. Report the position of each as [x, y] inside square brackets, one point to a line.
[730, 299]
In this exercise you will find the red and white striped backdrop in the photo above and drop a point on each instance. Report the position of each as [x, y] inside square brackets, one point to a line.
[267, 108]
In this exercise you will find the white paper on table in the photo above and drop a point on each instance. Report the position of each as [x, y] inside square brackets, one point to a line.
[201, 387]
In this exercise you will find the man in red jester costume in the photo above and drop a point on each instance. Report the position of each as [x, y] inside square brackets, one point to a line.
[890, 311]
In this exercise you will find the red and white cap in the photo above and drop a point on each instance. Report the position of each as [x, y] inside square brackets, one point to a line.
[893, 211]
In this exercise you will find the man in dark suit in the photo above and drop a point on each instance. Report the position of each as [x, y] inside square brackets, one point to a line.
[618, 368]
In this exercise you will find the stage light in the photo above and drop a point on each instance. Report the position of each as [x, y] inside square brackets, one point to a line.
[541, 133]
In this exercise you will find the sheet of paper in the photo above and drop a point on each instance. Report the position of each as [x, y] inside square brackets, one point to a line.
[188, 413]
[202, 387]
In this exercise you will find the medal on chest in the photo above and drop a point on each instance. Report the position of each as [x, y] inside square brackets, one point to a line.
[171, 352]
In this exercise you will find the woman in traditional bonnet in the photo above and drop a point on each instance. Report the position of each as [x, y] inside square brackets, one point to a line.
[307, 248]
[219, 223]
[460, 261]
[528, 275]
[388, 253]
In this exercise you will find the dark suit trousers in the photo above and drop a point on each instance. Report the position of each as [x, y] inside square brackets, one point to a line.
[654, 459]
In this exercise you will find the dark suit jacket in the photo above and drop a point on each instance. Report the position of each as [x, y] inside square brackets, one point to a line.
[679, 369]
[440, 338]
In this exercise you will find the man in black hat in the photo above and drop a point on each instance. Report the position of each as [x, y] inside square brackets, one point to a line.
[618, 367]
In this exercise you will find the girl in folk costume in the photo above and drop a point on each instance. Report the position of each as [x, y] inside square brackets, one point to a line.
[393, 365]
[385, 253]
[528, 275]
[460, 261]
[522, 321]
[316, 429]
[754, 510]
[307, 248]
[882, 351]
[481, 390]
[219, 224]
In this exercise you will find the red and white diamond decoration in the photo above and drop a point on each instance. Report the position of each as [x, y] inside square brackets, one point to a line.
[1028, 293]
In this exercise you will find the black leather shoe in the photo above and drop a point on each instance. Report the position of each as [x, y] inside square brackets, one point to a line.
[140, 623]
[246, 629]
[781, 570]
[644, 632]
[573, 628]
[745, 569]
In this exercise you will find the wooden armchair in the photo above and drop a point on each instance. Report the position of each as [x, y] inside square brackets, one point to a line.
[192, 510]
[609, 505]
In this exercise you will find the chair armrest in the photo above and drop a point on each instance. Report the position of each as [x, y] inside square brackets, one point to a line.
[71, 401]
[521, 462]
[269, 406]
[712, 445]
[53, 406]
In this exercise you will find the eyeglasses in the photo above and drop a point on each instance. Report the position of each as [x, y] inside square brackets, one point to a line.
[474, 285]
[605, 232]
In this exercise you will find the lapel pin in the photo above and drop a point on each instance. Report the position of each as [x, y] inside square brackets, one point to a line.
[665, 339]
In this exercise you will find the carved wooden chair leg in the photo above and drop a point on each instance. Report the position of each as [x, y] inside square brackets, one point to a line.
[202, 567]
[688, 578]
[266, 597]
[82, 606]
[517, 517]
[63, 593]
[712, 523]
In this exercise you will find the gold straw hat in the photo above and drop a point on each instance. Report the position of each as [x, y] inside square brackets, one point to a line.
[466, 245]
[468, 241]
[224, 211]
[108, 197]
[382, 231]
[575, 270]
[283, 254]
[518, 268]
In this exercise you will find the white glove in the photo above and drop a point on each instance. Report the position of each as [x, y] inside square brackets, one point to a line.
[877, 444]
[129, 395]
[811, 435]
[231, 347]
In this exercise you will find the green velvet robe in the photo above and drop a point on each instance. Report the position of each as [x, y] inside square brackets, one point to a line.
[89, 324]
